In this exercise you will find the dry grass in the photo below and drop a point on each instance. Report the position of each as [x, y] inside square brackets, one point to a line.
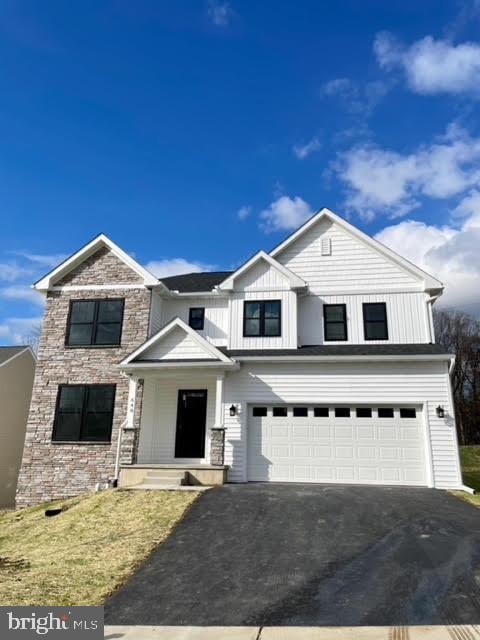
[470, 460]
[83, 554]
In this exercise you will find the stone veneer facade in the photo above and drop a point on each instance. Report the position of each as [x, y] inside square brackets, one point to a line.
[54, 470]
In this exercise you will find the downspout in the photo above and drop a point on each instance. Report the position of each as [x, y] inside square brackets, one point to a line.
[117, 457]
[431, 330]
[451, 367]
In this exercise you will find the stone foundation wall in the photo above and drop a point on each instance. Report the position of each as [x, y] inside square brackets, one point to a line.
[54, 470]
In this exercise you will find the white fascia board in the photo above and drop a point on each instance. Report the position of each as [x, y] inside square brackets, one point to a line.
[429, 281]
[201, 364]
[340, 359]
[209, 348]
[295, 281]
[45, 283]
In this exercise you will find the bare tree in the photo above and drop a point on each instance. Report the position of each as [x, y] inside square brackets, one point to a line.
[459, 333]
[33, 338]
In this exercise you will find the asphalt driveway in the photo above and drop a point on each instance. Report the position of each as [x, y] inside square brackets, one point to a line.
[262, 554]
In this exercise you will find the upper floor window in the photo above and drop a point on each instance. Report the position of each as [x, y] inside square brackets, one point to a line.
[84, 412]
[94, 323]
[262, 318]
[196, 318]
[375, 320]
[335, 321]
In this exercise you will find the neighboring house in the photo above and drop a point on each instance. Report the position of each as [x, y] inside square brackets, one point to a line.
[17, 368]
[315, 362]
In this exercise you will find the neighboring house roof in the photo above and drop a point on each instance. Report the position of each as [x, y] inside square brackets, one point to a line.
[85, 252]
[195, 282]
[8, 353]
[344, 350]
[295, 281]
[430, 281]
[210, 352]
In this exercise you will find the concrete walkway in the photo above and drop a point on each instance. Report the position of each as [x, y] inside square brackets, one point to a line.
[457, 632]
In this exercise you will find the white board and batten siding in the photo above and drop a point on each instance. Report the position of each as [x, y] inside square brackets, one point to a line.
[422, 384]
[351, 264]
[216, 316]
[159, 416]
[263, 282]
[407, 318]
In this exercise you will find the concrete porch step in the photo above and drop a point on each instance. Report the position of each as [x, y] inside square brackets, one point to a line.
[166, 473]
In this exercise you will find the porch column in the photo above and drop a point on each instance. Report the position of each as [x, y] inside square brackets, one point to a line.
[128, 430]
[217, 436]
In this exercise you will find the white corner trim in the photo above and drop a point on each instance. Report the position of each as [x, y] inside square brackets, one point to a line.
[27, 348]
[295, 281]
[177, 322]
[429, 281]
[85, 252]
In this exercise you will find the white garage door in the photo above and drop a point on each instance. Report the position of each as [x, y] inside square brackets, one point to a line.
[357, 444]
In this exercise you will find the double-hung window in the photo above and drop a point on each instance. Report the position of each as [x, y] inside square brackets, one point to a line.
[95, 323]
[84, 413]
[262, 318]
[335, 322]
[196, 318]
[375, 321]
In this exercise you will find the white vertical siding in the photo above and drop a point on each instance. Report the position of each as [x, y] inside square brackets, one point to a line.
[351, 265]
[155, 313]
[261, 276]
[288, 339]
[407, 317]
[159, 415]
[425, 383]
[216, 316]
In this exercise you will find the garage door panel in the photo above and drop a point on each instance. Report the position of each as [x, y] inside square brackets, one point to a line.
[356, 450]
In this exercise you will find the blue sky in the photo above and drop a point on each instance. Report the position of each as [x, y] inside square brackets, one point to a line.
[195, 133]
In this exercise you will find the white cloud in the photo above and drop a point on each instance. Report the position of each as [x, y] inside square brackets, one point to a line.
[220, 13]
[11, 271]
[432, 66]
[285, 213]
[302, 151]
[49, 261]
[384, 181]
[21, 292]
[358, 99]
[244, 212]
[175, 267]
[19, 330]
[449, 253]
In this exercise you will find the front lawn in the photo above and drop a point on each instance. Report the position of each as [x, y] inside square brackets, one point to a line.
[470, 461]
[83, 554]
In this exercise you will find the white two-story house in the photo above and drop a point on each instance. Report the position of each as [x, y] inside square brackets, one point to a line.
[315, 362]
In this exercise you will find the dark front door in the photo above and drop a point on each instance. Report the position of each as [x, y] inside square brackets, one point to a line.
[191, 422]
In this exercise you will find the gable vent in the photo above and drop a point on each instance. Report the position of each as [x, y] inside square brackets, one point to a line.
[326, 246]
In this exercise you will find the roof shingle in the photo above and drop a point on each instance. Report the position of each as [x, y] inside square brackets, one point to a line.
[195, 282]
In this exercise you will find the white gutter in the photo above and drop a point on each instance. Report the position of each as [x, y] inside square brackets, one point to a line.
[341, 358]
[217, 364]
[117, 456]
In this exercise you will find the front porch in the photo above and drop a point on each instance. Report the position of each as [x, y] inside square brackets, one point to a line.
[174, 432]
[154, 476]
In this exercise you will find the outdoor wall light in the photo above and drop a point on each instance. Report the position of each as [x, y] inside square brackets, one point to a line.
[440, 411]
[233, 410]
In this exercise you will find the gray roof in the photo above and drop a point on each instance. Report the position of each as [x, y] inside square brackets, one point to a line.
[8, 352]
[195, 282]
[345, 350]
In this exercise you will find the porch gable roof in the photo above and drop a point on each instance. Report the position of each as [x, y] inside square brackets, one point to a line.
[202, 351]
